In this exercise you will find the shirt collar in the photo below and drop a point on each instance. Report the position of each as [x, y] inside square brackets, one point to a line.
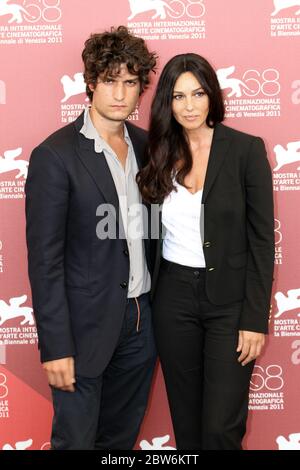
[90, 132]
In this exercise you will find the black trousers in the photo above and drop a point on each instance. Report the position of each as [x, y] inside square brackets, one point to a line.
[207, 387]
[106, 412]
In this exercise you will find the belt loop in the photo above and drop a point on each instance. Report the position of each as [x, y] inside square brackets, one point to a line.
[139, 314]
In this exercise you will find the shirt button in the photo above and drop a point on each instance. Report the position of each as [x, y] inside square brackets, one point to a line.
[126, 252]
[123, 284]
[211, 269]
[207, 244]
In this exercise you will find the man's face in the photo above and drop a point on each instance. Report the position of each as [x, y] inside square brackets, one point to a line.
[115, 97]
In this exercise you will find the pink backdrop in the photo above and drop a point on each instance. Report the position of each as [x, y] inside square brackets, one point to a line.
[255, 47]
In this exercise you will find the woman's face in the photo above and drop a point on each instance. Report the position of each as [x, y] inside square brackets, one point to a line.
[190, 104]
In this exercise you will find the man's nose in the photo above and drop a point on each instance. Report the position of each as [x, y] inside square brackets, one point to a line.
[119, 92]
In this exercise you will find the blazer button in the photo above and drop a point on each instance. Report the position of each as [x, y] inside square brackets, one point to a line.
[126, 252]
[207, 244]
[211, 269]
[123, 284]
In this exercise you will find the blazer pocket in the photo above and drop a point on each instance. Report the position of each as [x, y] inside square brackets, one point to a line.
[238, 260]
[84, 290]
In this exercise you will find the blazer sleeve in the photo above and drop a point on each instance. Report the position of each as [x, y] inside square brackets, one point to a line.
[260, 234]
[47, 193]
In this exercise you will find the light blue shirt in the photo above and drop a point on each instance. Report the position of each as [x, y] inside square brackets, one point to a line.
[129, 196]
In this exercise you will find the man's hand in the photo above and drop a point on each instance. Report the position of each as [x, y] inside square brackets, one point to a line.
[250, 345]
[61, 373]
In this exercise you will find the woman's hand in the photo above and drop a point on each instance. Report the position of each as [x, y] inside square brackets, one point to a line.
[250, 346]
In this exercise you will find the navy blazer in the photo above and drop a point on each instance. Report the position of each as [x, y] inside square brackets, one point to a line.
[238, 224]
[79, 283]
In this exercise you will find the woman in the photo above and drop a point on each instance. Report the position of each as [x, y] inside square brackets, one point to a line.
[215, 263]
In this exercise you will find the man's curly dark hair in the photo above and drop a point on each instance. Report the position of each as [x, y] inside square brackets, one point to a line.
[104, 53]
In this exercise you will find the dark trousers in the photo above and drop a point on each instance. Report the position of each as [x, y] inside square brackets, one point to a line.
[207, 387]
[106, 412]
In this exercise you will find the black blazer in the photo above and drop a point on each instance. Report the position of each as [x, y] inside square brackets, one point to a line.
[79, 283]
[238, 226]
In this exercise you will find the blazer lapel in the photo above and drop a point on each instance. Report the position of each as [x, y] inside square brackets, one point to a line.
[138, 146]
[218, 151]
[139, 152]
[97, 167]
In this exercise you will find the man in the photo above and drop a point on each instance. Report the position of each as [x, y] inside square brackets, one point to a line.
[90, 291]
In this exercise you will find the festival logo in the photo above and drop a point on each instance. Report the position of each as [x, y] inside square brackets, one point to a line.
[286, 316]
[235, 85]
[291, 301]
[16, 13]
[285, 156]
[160, 8]
[157, 443]
[9, 163]
[266, 388]
[13, 188]
[30, 22]
[25, 445]
[23, 331]
[167, 19]
[250, 94]
[278, 242]
[20, 445]
[4, 401]
[72, 87]
[285, 19]
[290, 443]
[280, 5]
[13, 309]
[284, 180]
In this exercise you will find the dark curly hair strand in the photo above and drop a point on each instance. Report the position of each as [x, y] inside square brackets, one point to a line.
[104, 53]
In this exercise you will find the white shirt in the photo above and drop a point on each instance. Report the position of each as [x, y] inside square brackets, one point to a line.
[181, 215]
[129, 196]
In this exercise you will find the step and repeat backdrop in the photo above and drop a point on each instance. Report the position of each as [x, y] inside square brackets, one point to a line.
[255, 48]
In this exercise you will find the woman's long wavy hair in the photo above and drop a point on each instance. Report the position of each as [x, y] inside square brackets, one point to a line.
[168, 144]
